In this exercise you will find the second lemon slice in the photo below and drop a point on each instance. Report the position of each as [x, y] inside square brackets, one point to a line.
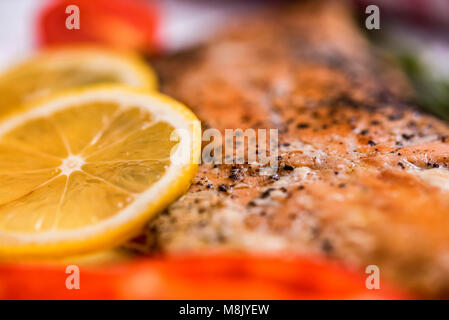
[70, 67]
[85, 170]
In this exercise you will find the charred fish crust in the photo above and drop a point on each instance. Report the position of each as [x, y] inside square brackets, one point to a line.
[362, 173]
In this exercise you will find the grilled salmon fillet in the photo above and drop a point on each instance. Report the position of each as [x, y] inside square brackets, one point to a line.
[363, 174]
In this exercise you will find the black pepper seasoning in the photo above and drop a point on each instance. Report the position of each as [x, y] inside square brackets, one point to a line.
[223, 188]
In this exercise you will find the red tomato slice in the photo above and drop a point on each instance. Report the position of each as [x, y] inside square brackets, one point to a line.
[195, 277]
[126, 24]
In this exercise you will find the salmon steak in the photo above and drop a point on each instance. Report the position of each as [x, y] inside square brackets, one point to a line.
[362, 173]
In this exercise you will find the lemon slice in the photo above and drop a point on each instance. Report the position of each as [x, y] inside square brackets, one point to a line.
[65, 68]
[85, 170]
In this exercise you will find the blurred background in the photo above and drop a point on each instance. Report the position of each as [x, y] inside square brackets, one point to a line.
[415, 32]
